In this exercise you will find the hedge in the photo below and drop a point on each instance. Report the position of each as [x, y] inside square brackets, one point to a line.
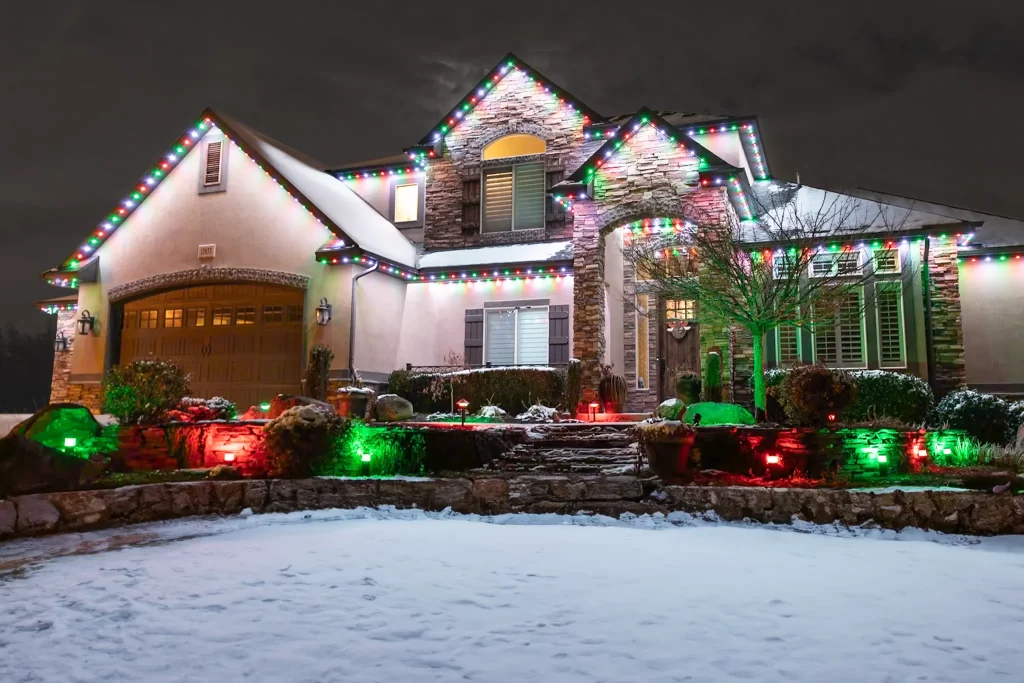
[512, 389]
[988, 418]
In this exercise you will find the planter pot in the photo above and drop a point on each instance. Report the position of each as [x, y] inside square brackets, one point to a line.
[671, 458]
[352, 406]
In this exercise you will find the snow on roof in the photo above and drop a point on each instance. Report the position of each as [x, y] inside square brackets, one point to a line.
[510, 253]
[350, 212]
[843, 212]
[995, 231]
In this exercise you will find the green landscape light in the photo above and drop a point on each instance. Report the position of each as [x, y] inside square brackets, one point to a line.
[365, 457]
[264, 407]
[883, 458]
[70, 442]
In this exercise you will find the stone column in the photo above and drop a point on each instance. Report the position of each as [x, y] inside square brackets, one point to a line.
[66, 321]
[943, 280]
[588, 342]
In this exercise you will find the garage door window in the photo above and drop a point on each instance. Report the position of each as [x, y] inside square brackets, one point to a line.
[197, 317]
[221, 316]
[173, 317]
[273, 314]
[245, 315]
[149, 319]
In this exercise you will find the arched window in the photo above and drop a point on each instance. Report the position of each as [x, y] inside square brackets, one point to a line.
[513, 193]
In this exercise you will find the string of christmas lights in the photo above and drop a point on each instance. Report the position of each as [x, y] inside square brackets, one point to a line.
[447, 275]
[746, 129]
[57, 308]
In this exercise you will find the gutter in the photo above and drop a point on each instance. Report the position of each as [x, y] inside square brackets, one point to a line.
[352, 322]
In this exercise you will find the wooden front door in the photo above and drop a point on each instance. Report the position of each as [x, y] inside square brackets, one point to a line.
[239, 341]
[680, 343]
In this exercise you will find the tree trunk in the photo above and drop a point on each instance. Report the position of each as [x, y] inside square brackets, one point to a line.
[759, 387]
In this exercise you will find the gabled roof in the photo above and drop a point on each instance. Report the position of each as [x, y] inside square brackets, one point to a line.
[326, 198]
[646, 117]
[494, 76]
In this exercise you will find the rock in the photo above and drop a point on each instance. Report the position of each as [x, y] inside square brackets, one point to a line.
[8, 518]
[80, 509]
[229, 496]
[255, 495]
[283, 402]
[154, 502]
[491, 495]
[456, 494]
[122, 503]
[28, 466]
[283, 495]
[670, 409]
[392, 408]
[538, 414]
[36, 514]
[191, 498]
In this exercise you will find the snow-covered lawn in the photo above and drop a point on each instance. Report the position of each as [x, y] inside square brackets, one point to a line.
[407, 597]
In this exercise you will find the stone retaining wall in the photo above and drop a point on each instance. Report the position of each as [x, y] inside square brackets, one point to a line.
[952, 512]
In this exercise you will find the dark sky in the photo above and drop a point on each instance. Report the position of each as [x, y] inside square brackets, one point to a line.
[919, 98]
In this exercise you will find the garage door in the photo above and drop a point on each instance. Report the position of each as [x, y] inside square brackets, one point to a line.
[242, 342]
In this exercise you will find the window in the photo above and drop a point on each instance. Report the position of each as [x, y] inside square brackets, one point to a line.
[516, 336]
[221, 316]
[150, 319]
[680, 311]
[211, 170]
[515, 145]
[836, 263]
[173, 317]
[643, 367]
[886, 260]
[131, 320]
[294, 313]
[840, 342]
[787, 341]
[245, 315]
[407, 203]
[273, 314]
[514, 196]
[782, 265]
[889, 308]
[196, 317]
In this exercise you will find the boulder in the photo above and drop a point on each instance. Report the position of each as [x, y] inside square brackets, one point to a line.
[8, 518]
[27, 466]
[36, 514]
[283, 402]
[671, 409]
[392, 408]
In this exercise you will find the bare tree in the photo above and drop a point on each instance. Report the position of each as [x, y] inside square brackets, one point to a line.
[793, 266]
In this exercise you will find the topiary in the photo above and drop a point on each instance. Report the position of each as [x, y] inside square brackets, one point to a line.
[687, 385]
[983, 416]
[573, 385]
[318, 371]
[304, 441]
[815, 395]
[143, 391]
[712, 386]
[895, 395]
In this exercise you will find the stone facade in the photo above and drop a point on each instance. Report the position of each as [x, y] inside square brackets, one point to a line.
[943, 279]
[66, 326]
[947, 511]
[514, 105]
[88, 394]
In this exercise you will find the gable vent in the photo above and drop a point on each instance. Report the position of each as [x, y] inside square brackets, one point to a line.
[211, 175]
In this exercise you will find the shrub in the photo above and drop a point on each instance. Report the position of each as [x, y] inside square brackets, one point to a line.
[318, 371]
[712, 414]
[810, 394]
[613, 390]
[895, 395]
[773, 379]
[712, 386]
[303, 441]
[143, 391]
[376, 451]
[573, 385]
[511, 389]
[983, 416]
[192, 409]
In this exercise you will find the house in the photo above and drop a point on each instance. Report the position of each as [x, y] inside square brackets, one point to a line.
[495, 237]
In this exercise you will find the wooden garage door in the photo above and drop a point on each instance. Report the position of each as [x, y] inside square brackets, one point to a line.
[242, 342]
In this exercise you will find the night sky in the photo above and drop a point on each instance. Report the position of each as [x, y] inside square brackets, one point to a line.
[917, 98]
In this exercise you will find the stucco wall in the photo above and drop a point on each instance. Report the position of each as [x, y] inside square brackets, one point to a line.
[378, 192]
[380, 305]
[255, 224]
[434, 317]
[992, 323]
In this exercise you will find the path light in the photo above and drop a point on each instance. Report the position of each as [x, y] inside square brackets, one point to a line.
[772, 459]
[86, 322]
[831, 417]
[323, 312]
[593, 410]
[462, 404]
[265, 406]
[70, 442]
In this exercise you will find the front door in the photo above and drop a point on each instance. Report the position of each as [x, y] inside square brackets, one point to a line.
[239, 341]
[680, 343]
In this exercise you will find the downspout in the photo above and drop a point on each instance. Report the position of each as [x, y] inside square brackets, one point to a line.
[926, 294]
[352, 323]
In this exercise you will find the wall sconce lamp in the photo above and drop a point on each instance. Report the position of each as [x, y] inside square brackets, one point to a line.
[86, 322]
[60, 342]
[323, 312]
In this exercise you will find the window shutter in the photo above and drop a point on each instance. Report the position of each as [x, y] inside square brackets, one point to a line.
[471, 203]
[554, 213]
[474, 344]
[558, 335]
[211, 173]
[529, 197]
[789, 346]
[888, 300]
[497, 200]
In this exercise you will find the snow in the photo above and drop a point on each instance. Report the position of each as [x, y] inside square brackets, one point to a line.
[355, 390]
[340, 203]
[364, 595]
[497, 368]
[511, 253]
[537, 413]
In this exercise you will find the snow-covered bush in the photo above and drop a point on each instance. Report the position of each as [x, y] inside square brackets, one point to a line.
[143, 391]
[303, 440]
[492, 412]
[670, 409]
[537, 413]
[811, 393]
[895, 395]
[512, 389]
[194, 409]
[983, 416]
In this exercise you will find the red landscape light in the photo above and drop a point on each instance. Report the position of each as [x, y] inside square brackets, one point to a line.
[462, 404]
[831, 417]
[772, 459]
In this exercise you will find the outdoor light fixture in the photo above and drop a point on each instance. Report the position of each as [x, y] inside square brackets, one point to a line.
[264, 406]
[229, 457]
[883, 459]
[60, 342]
[323, 312]
[365, 457]
[772, 459]
[70, 442]
[593, 411]
[831, 417]
[462, 404]
[86, 322]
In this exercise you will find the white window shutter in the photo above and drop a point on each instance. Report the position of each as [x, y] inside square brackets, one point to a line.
[212, 170]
